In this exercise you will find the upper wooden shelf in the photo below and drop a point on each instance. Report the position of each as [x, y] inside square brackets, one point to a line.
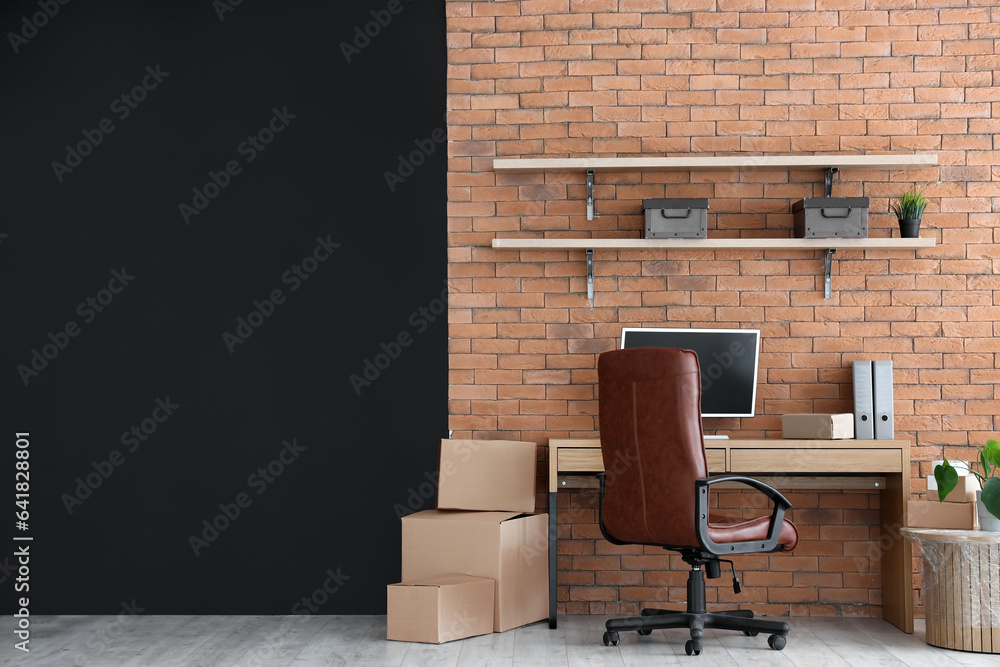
[710, 244]
[525, 165]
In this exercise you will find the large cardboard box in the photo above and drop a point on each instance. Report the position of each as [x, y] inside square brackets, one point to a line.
[440, 609]
[508, 547]
[934, 514]
[818, 427]
[489, 475]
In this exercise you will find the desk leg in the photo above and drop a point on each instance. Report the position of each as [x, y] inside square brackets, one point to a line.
[897, 559]
[552, 560]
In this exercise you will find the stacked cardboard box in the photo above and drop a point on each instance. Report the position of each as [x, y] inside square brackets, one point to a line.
[957, 511]
[483, 527]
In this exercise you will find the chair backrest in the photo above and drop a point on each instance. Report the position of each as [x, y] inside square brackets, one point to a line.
[652, 444]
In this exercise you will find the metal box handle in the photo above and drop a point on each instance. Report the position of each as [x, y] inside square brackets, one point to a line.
[663, 212]
[823, 212]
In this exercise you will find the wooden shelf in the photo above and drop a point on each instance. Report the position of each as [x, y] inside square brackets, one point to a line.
[712, 244]
[529, 165]
[831, 164]
[829, 246]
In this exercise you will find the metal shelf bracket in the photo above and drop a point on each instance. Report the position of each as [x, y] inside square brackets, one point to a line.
[590, 194]
[590, 274]
[828, 180]
[827, 265]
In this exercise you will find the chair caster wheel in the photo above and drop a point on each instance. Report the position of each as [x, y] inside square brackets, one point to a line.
[644, 631]
[750, 633]
[691, 649]
[611, 639]
[777, 642]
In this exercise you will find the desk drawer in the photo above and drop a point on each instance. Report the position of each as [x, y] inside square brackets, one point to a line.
[582, 459]
[716, 460]
[589, 459]
[815, 460]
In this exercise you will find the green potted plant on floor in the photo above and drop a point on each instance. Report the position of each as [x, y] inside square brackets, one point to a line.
[988, 499]
[908, 209]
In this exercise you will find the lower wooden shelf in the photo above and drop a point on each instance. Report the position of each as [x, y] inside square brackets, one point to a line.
[829, 245]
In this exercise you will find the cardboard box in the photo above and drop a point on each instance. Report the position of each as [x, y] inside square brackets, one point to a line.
[508, 547]
[818, 427]
[964, 491]
[440, 609]
[489, 475]
[934, 514]
[961, 467]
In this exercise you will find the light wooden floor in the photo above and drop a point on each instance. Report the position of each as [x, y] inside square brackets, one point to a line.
[359, 641]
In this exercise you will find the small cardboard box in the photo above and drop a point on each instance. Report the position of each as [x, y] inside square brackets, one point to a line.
[508, 547]
[961, 467]
[818, 427]
[964, 491]
[488, 475]
[440, 609]
[934, 514]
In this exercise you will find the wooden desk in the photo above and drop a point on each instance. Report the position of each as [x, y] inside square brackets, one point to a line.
[785, 464]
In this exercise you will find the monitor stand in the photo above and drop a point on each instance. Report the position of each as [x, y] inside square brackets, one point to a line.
[716, 437]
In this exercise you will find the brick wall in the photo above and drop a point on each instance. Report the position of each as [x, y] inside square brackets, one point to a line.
[615, 78]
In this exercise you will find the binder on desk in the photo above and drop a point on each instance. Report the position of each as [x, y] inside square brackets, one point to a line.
[882, 398]
[864, 412]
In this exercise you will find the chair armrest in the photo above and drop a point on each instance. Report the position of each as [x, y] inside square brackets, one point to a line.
[757, 546]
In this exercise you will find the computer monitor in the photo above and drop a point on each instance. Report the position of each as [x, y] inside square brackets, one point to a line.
[728, 360]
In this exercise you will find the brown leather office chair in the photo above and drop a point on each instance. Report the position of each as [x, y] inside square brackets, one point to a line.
[654, 490]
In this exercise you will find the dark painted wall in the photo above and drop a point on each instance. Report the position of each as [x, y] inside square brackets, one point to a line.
[133, 301]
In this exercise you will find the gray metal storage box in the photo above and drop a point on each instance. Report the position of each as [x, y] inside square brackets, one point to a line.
[831, 217]
[676, 218]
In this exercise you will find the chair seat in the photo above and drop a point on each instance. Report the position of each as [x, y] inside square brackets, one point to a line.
[723, 531]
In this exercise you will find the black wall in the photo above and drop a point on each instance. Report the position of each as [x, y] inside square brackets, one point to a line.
[167, 329]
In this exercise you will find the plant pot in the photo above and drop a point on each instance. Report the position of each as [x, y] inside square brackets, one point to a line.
[986, 520]
[909, 228]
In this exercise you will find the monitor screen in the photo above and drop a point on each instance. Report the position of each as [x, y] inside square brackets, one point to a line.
[728, 360]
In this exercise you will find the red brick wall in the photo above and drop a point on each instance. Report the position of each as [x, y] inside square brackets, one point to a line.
[615, 78]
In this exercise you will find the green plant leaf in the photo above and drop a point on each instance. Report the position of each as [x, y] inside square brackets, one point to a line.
[991, 496]
[991, 453]
[946, 477]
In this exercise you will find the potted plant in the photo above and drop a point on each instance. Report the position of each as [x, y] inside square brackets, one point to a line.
[908, 209]
[988, 499]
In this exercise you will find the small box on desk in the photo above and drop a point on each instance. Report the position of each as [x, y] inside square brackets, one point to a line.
[934, 514]
[440, 609]
[818, 427]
